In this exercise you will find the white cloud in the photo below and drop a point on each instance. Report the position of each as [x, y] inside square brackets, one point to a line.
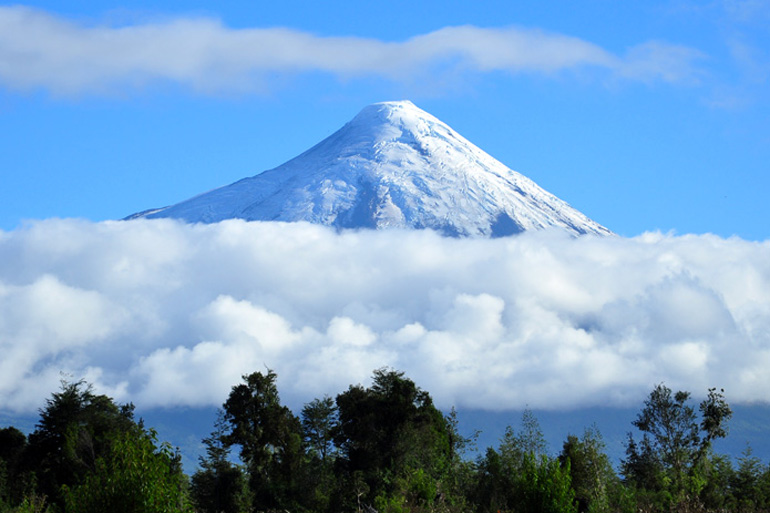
[658, 60]
[39, 50]
[538, 319]
[45, 321]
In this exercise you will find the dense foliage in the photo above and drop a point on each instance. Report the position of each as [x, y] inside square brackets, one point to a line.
[383, 448]
[87, 454]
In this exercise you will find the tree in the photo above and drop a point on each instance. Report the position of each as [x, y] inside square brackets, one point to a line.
[520, 476]
[544, 486]
[319, 420]
[461, 471]
[717, 495]
[88, 455]
[747, 486]
[134, 476]
[75, 429]
[13, 480]
[515, 447]
[219, 486]
[494, 486]
[672, 454]
[392, 437]
[270, 440]
[715, 413]
[595, 483]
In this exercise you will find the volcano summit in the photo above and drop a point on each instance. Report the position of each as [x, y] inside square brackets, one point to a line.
[393, 166]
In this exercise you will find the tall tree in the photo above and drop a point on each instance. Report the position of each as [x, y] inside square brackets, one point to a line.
[319, 420]
[672, 452]
[715, 413]
[593, 478]
[748, 489]
[520, 476]
[516, 446]
[219, 486]
[461, 471]
[391, 436]
[76, 427]
[270, 440]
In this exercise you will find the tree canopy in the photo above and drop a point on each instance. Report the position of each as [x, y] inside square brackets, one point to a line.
[88, 454]
[381, 448]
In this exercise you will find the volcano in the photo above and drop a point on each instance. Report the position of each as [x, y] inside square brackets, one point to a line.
[392, 166]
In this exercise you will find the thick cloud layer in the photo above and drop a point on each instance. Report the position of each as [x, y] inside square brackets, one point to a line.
[163, 313]
[39, 50]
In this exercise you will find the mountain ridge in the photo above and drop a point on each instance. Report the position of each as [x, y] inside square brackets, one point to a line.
[392, 166]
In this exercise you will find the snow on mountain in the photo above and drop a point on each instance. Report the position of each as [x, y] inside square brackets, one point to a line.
[393, 165]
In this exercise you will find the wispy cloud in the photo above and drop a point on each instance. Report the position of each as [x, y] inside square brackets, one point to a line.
[164, 313]
[39, 50]
[747, 11]
[661, 61]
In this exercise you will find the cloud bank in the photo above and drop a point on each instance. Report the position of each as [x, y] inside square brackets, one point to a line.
[163, 314]
[39, 50]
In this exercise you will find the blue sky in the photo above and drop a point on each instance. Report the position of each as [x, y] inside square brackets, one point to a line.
[644, 115]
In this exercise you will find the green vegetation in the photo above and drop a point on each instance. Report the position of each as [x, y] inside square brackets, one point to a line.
[385, 448]
[88, 454]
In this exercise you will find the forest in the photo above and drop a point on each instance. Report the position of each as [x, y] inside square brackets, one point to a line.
[384, 448]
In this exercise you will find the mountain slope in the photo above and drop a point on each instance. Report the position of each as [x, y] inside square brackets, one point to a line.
[393, 165]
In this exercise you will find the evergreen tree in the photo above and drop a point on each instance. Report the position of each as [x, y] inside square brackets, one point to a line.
[747, 486]
[219, 486]
[520, 476]
[597, 487]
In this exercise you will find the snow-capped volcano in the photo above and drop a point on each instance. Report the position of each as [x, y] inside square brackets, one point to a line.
[393, 165]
